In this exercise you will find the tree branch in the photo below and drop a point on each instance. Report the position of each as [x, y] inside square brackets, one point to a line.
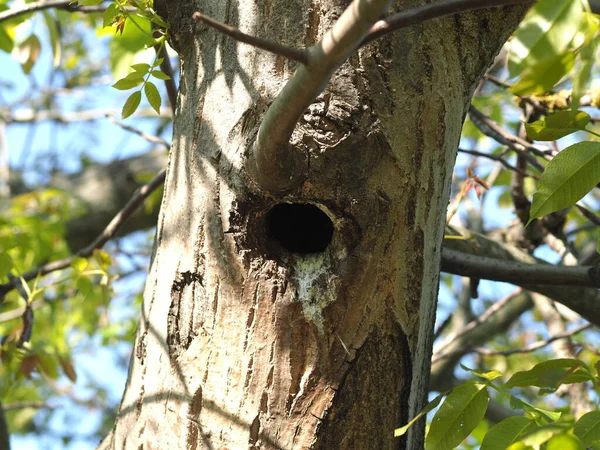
[110, 230]
[518, 273]
[47, 4]
[273, 163]
[294, 54]
[495, 320]
[492, 129]
[500, 160]
[481, 257]
[433, 11]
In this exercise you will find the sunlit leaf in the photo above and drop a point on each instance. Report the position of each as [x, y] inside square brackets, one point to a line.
[488, 375]
[128, 47]
[160, 75]
[131, 104]
[541, 77]
[567, 178]
[546, 32]
[48, 364]
[103, 259]
[132, 80]
[28, 52]
[6, 264]
[564, 441]
[557, 125]
[79, 264]
[6, 40]
[54, 36]
[542, 434]
[153, 96]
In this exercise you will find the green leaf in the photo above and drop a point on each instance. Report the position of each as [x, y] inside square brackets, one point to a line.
[489, 375]
[130, 46]
[89, 2]
[542, 434]
[551, 374]
[160, 75]
[28, 52]
[460, 413]
[587, 428]
[6, 41]
[6, 264]
[130, 81]
[153, 96]
[103, 259]
[541, 77]
[131, 104]
[540, 415]
[54, 36]
[48, 364]
[506, 432]
[79, 264]
[587, 55]
[142, 68]
[546, 31]
[567, 178]
[111, 13]
[564, 441]
[68, 369]
[431, 405]
[557, 125]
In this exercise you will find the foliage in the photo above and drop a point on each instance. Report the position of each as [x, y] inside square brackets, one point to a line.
[50, 321]
[465, 406]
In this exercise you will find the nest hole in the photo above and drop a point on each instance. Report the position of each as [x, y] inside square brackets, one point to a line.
[299, 228]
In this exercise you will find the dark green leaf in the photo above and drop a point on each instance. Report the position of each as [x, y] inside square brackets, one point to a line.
[587, 428]
[460, 413]
[504, 433]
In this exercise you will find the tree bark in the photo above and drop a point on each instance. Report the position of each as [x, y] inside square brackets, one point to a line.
[301, 319]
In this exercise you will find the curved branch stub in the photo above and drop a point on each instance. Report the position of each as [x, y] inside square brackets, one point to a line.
[277, 174]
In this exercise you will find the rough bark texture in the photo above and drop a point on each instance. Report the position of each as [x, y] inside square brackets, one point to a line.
[246, 344]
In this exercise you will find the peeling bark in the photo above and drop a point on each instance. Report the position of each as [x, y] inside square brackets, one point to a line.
[248, 341]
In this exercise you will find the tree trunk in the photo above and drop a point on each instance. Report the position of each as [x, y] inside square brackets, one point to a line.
[301, 319]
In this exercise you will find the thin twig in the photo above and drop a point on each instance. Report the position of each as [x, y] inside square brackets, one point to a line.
[166, 68]
[146, 136]
[66, 5]
[588, 214]
[492, 129]
[499, 159]
[111, 229]
[25, 404]
[294, 54]
[433, 11]
[528, 349]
